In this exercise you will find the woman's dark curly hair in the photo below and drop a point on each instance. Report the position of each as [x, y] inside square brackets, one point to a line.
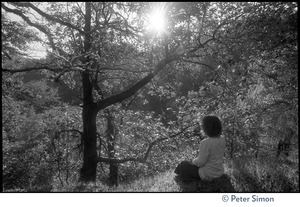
[212, 126]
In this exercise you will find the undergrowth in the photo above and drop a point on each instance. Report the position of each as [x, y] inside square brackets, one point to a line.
[163, 182]
[264, 175]
[241, 175]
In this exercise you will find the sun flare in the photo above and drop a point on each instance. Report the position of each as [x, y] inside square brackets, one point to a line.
[157, 21]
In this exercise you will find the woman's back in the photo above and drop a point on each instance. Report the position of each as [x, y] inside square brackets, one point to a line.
[210, 160]
[209, 163]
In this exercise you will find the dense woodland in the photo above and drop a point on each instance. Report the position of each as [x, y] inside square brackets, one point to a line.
[113, 102]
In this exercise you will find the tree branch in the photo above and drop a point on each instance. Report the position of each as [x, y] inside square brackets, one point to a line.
[79, 8]
[47, 16]
[144, 159]
[7, 55]
[27, 69]
[137, 86]
[213, 38]
[64, 70]
[198, 63]
[27, 20]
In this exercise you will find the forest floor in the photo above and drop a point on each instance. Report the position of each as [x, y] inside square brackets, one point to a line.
[163, 182]
[245, 176]
[266, 174]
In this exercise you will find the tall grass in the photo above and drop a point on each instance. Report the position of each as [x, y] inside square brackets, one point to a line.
[266, 174]
[163, 182]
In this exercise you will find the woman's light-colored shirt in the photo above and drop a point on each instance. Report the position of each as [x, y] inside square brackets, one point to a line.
[210, 159]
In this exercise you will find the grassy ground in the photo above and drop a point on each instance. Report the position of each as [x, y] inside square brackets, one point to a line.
[272, 175]
[164, 182]
[241, 175]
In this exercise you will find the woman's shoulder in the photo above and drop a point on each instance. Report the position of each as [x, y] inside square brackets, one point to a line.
[213, 139]
[206, 139]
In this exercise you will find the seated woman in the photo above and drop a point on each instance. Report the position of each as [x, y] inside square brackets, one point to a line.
[209, 164]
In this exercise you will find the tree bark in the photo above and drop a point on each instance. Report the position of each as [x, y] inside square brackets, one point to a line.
[89, 113]
[111, 136]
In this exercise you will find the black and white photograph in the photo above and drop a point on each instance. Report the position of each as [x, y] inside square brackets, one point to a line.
[151, 97]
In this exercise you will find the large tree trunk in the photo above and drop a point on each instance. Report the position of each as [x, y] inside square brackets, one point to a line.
[89, 168]
[89, 114]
